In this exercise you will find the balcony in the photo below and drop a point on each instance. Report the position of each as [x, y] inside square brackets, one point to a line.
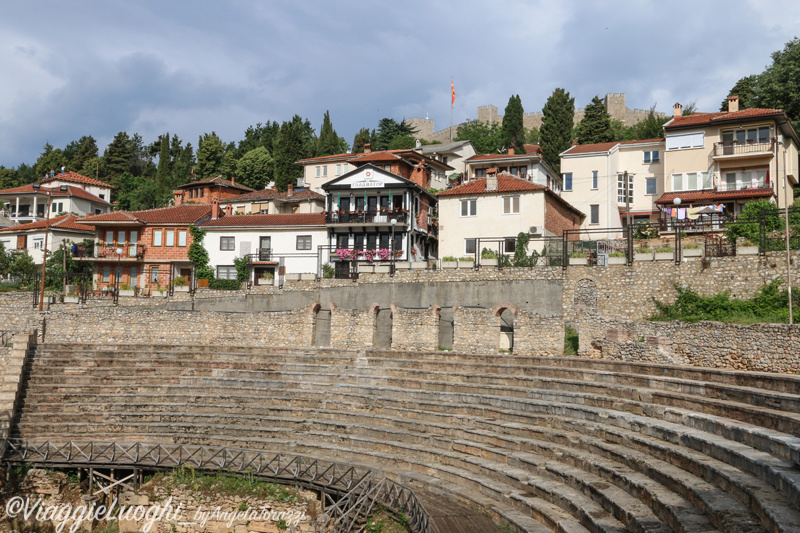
[741, 186]
[130, 252]
[750, 148]
[262, 255]
[366, 217]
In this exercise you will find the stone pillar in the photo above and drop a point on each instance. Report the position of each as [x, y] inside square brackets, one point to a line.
[541, 336]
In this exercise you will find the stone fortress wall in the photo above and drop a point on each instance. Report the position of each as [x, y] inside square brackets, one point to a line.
[615, 104]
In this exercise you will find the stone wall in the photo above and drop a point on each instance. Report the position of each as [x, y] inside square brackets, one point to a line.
[155, 326]
[475, 330]
[538, 335]
[352, 328]
[759, 347]
[415, 329]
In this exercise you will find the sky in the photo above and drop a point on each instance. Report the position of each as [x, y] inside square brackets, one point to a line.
[69, 69]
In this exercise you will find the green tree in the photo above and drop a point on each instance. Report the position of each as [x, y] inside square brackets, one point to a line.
[26, 174]
[182, 161]
[21, 265]
[50, 159]
[596, 124]
[328, 141]
[117, 157]
[141, 192]
[85, 151]
[164, 172]
[363, 137]
[8, 178]
[485, 139]
[513, 131]
[651, 127]
[253, 168]
[746, 89]
[388, 130]
[779, 85]
[198, 254]
[5, 260]
[556, 131]
[210, 155]
[532, 136]
[295, 141]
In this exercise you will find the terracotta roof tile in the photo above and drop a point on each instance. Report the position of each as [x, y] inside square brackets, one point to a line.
[699, 119]
[604, 147]
[288, 219]
[216, 180]
[505, 183]
[66, 222]
[269, 194]
[688, 197]
[179, 214]
[74, 177]
[71, 191]
[322, 158]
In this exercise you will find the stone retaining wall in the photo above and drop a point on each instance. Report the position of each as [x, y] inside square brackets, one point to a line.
[475, 330]
[415, 329]
[538, 335]
[352, 328]
[759, 347]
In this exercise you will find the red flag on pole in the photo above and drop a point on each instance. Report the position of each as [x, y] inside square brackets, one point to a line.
[453, 93]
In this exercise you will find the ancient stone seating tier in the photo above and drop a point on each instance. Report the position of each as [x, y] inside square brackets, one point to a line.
[547, 444]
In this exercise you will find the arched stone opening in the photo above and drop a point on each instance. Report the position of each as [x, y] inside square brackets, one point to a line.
[506, 315]
[382, 337]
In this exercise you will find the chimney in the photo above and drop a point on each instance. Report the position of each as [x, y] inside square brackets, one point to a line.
[677, 110]
[491, 179]
[289, 190]
[228, 210]
[367, 148]
[233, 180]
[733, 104]
[214, 208]
[511, 150]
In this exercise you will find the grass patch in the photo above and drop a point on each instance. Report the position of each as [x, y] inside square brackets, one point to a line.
[570, 341]
[769, 305]
[232, 485]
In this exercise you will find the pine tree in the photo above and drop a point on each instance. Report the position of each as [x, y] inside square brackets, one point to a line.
[118, 155]
[362, 137]
[556, 132]
[87, 150]
[328, 141]
[164, 172]
[210, 154]
[295, 141]
[596, 124]
[50, 159]
[513, 131]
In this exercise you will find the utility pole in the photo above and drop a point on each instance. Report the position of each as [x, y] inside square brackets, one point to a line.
[788, 249]
[64, 267]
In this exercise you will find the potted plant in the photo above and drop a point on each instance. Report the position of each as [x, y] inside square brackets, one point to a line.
[617, 258]
[72, 298]
[665, 253]
[449, 262]
[181, 284]
[643, 253]
[692, 249]
[746, 247]
[466, 262]
[578, 258]
[125, 290]
[488, 257]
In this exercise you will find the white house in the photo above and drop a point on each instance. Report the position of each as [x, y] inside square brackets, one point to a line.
[274, 245]
[273, 202]
[490, 212]
[28, 203]
[30, 237]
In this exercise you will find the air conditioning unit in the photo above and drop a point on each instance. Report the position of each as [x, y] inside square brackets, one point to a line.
[536, 230]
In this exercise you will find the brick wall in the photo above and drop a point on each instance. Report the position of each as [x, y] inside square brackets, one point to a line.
[557, 217]
[415, 329]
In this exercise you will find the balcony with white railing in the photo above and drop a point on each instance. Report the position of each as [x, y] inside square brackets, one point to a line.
[744, 148]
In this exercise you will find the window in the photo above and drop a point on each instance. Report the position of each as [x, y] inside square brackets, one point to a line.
[319, 172]
[304, 242]
[509, 245]
[511, 205]
[691, 181]
[134, 282]
[106, 274]
[182, 237]
[57, 207]
[227, 244]
[594, 214]
[109, 236]
[568, 181]
[621, 196]
[102, 196]
[652, 187]
[325, 171]
[744, 179]
[749, 136]
[226, 272]
[469, 208]
[685, 141]
[121, 237]
[170, 237]
[338, 169]
[651, 157]
[154, 275]
[480, 173]
[470, 245]
[38, 244]
[157, 233]
[202, 192]
[594, 179]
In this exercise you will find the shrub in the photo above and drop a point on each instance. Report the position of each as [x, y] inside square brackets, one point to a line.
[225, 284]
[180, 281]
[328, 271]
[665, 250]
[570, 341]
[449, 258]
[577, 255]
[466, 258]
[617, 254]
[692, 246]
[644, 250]
[488, 254]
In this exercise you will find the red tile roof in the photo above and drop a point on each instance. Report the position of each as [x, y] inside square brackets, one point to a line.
[74, 177]
[288, 219]
[383, 155]
[71, 191]
[66, 222]
[701, 119]
[689, 197]
[179, 214]
[216, 180]
[269, 194]
[322, 158]
[604, 147]
[505, 183]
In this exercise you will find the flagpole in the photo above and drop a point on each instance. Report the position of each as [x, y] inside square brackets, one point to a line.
[452, 106]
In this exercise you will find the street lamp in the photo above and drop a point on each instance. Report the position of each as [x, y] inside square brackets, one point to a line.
[677, 202]
[36, 187]
[117, 274]
[394, 223]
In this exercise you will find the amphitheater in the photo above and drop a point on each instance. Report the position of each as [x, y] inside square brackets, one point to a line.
[484, 440]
